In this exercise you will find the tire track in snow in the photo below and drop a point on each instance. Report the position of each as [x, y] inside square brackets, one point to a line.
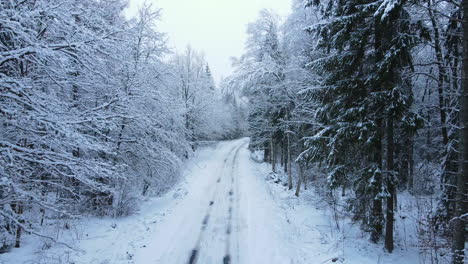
[233, 190]
[194, 254]
[237, 210]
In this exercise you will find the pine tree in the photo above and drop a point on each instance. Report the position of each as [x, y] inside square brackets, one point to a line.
[368, 48]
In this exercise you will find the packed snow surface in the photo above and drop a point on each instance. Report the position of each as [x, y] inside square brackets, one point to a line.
[226, 210]
[219, 220]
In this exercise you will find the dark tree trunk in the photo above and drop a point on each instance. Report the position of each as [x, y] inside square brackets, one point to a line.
[405, 163]
[462, 178]
[120, 138]
[290, 183]
[376, 220]
[391, 188]
[376, 217]
[411, 165]
[282, 154]
[145, 189]
[451, 164]
[285, 156]
[441, 77]
[19, 212]
[273, 155]
[376, 214]
[266, 152]
[304, 178]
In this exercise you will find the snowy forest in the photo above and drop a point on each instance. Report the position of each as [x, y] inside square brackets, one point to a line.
[354, 108]
[92, 112]
[366, 99]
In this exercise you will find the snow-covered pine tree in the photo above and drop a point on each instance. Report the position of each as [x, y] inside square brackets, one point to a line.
[366, 97]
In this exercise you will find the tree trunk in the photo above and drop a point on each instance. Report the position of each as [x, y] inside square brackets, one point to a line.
[376, 215]
[19, 212]
[411, 165]
[273, 155]
[404, 160]
[305, 179]
[391, 188]
[441, 77]
[395, 200]
[146, 186]
[283, 164]
[290, 183]
[120, 138]
[266, 152]
[301, 178]
[462, 177]
[376, 220]
[285, 157]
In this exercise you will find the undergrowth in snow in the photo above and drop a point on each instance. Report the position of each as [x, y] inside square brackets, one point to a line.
[105, 240]
[321, 228]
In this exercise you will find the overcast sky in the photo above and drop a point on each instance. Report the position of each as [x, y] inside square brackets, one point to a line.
[216, 27]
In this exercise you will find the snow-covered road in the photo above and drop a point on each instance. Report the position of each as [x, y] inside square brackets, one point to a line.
[226, 216]
[227, 209]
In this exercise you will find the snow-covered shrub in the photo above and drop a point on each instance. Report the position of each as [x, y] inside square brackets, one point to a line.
[125, 200]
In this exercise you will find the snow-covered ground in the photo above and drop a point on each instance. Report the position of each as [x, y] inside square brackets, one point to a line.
[315, 234]
[226, 210]
[227, 216]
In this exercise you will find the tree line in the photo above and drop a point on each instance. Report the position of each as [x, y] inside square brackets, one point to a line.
[371, 97]
[95, 111]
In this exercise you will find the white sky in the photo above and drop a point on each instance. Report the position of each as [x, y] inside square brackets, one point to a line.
[216, 27]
